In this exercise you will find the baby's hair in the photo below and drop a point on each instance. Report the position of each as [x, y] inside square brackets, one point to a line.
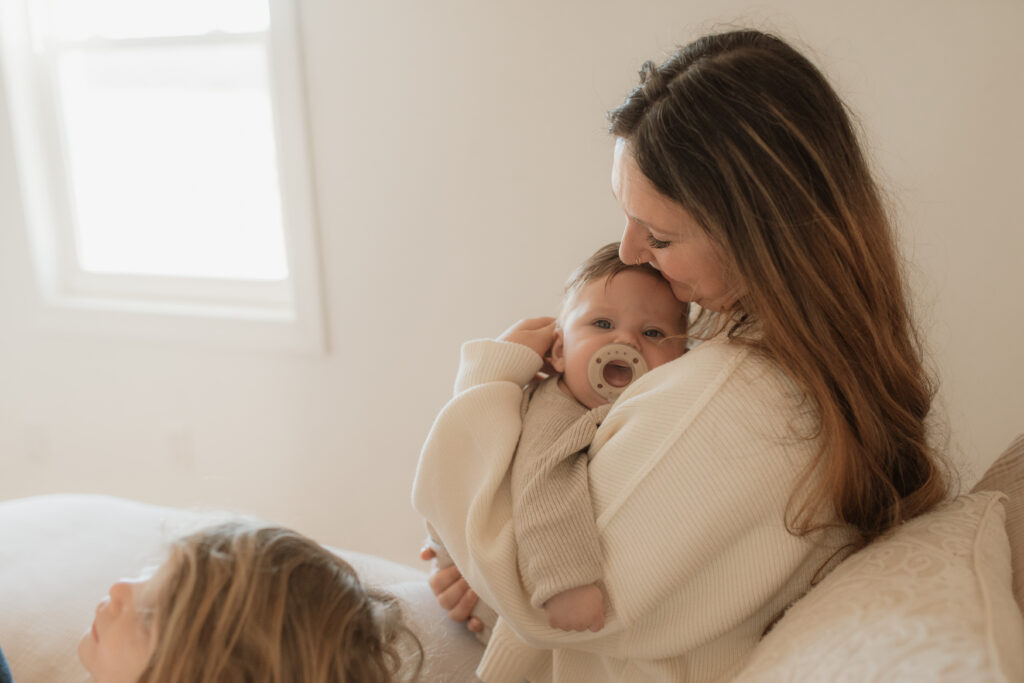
[247, 603]
[605, 264]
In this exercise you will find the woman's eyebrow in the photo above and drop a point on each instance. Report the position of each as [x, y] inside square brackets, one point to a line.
[650, 226]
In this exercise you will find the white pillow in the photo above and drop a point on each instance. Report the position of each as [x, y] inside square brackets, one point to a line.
[932, 601]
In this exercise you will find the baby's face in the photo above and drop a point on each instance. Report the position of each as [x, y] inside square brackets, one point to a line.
[121, 641]
[633, 308]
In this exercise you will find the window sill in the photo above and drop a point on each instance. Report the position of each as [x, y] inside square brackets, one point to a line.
[239, 327]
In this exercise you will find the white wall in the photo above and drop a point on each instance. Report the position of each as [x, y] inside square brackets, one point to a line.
[461, 166]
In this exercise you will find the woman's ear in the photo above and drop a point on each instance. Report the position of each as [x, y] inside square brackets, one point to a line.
[557, 357]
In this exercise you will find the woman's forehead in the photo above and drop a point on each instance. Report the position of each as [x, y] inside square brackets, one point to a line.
[639, 199]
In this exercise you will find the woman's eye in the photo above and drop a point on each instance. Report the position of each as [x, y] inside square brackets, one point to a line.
[654, 334]
[655, 243]
[603, 324]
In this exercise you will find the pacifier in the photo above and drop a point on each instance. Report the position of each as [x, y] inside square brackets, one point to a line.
[613, 368]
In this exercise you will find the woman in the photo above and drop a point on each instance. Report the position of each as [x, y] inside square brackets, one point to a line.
[726, 482]
[242, 602]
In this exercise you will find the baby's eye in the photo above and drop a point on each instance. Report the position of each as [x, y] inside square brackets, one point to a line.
[603, 324]
[654, 334]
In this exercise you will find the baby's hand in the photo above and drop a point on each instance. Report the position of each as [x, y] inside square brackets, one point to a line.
[577, 609]
[536, 333]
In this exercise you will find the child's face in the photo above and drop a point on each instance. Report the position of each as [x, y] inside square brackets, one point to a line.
[632, 308]
[122, 639]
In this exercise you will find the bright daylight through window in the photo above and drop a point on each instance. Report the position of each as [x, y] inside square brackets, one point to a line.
[170, 140]
[162, 151]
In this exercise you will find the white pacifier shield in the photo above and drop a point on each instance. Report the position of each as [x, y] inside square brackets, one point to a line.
[625, 355]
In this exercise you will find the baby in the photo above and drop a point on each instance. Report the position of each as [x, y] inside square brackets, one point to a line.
[617, 322]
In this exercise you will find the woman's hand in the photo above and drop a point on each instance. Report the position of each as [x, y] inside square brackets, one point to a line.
[453, 593]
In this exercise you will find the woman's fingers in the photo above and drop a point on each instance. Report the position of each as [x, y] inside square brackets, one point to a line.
[475, 625]
[442, 579]
[464, 607]
[451, 596]
[454, 595]
[427, 553]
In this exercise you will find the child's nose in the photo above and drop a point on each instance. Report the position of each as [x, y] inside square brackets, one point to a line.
[627, 337]
[120, 592]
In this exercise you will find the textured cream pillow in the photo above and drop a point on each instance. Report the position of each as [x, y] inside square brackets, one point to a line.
[929, 602]
[1007, 475]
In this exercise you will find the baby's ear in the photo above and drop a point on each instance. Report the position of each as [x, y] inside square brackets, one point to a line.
[557, 357]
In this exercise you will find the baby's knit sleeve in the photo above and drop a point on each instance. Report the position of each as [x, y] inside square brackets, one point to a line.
[559, 547]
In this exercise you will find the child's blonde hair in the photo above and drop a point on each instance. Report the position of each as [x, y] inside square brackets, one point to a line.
[246, 603]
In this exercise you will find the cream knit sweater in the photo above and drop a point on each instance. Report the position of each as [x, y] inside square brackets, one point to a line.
[690, 476]
[553, 518]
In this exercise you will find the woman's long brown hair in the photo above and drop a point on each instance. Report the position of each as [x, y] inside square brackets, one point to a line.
[749, 137]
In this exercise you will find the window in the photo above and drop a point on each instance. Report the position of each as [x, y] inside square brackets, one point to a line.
[162, 156]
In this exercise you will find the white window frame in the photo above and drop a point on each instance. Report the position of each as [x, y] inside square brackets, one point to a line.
[284, 315]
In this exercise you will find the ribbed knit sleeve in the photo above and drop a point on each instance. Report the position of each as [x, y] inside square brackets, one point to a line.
[486, 360]
[552, 514]
[471, 444]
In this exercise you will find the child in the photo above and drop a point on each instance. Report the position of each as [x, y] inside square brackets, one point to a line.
[617, 322]
[241, 602]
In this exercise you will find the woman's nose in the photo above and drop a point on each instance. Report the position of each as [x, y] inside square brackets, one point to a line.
[632, 249]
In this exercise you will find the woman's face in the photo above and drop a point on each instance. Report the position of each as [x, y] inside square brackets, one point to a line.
[661, 232]
[122, 638]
